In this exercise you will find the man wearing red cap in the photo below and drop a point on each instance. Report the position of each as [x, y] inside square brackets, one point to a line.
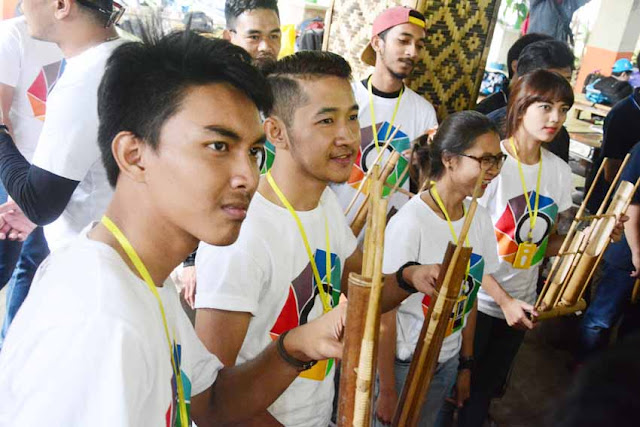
[385, 102]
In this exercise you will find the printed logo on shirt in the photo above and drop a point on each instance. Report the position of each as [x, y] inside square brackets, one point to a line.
[467, 298]
[269, 157]
[172, 415]
[514, 224]
[368, 153]
[303, 304]
[42, 87]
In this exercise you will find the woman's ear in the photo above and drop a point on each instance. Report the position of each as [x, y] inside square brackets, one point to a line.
[128, 150]
[276, 132]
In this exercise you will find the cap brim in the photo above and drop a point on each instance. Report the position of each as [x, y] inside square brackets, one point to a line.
[368, 55]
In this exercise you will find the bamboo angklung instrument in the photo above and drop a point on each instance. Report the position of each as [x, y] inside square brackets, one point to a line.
[582, 251]
[362, 213]
[425, 356]
[360, 290]
[366, 177]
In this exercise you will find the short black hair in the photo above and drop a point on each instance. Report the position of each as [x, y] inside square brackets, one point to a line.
[520, 44]
[545, 54]
[284, 76]
[144, 84]
[92, 9]
[234, 8]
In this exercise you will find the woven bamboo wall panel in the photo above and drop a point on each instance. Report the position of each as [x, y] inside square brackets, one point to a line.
[458, 38]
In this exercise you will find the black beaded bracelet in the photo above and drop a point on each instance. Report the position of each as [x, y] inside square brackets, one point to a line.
[403, 284]
[296, 363]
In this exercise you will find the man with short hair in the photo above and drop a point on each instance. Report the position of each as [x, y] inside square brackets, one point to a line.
[500, 99]
[30, 69]
[292, 258]
[397, 43]
[254, 25]
[65, 187]
[180, 135]
[551, 55]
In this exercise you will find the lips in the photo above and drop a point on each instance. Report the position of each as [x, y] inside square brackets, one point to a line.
[343, 159]
[550, 129]
[236, 211]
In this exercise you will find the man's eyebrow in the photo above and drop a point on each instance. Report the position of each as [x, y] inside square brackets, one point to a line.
[326, 110]
[261, 140]
[221, 130]
[276, 30]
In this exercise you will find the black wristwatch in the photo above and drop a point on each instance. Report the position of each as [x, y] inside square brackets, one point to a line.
[466, 362]
[403, 284]
[296, 363]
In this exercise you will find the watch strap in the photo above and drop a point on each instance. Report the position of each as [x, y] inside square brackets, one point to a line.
[403, 284]
[300, 365]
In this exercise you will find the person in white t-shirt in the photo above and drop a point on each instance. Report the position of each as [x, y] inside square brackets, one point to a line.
[386, 103]
[524, 203]
[295, 236]
[180, 137]
[466, 143]
[30, 69]
[64, 187]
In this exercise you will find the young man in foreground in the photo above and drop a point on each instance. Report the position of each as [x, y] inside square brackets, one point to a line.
[180, 135]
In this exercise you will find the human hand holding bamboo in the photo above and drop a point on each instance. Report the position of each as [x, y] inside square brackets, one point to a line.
[319, 339]
[422, 277]
[515, 313]
[386, 405]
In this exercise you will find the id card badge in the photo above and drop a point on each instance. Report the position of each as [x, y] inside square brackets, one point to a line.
[524, 256]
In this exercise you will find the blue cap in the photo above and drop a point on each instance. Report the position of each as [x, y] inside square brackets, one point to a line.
[622, 65]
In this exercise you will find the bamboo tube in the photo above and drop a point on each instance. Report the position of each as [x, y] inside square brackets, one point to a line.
[368, 174]
[395, 189]
[603, 205]
[367, 261]
[553, 290]
[570, 235]
[636, 292]
[366, 365]
[359, 292]
[561, 311]
[361, 215]
[433, 330]
[599, 238]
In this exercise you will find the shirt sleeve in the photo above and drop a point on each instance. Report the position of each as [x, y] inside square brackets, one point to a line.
[231, 277]
[10, 55]
[68, 144]
[92, 373]
[401, 241]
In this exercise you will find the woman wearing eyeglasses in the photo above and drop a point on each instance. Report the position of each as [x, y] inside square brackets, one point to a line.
[524, 201]
[466, 143]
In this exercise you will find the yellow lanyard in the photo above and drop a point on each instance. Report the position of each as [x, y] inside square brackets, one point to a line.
[373, 114]
[324, 298]
[144, 273]
[436, 197]
[532, 212]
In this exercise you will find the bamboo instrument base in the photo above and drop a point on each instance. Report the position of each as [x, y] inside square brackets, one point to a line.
[561, 310]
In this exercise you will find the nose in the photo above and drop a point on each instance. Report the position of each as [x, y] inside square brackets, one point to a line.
[245, 174]
[556, 114]
[265, 45]
[349, 134]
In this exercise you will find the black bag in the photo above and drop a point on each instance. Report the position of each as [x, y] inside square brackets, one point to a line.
[613, 90]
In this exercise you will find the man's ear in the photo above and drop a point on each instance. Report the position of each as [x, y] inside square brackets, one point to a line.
[128, 151]
[377, 44]
[226, 34]
[63, 8]
[276, 132]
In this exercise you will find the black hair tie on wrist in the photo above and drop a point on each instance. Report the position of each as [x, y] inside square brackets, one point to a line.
[296, 363]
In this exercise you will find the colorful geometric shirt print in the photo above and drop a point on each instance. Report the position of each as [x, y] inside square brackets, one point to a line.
[303, 297]
[467, 298]
[42, 87]
[368, 153]
[172, 414]
[269, 157]
[513, 226]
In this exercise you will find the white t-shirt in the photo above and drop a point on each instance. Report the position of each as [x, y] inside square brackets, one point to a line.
[89, 348]
[68, 144]
[507, 206]
[267, 273]
[416, 233]
[415, 116]
[32, 68]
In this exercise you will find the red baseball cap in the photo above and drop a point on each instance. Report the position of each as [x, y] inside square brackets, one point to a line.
[390, 18]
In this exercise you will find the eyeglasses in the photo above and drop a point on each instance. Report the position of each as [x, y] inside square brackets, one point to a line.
[114, 15]
[488, 162]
